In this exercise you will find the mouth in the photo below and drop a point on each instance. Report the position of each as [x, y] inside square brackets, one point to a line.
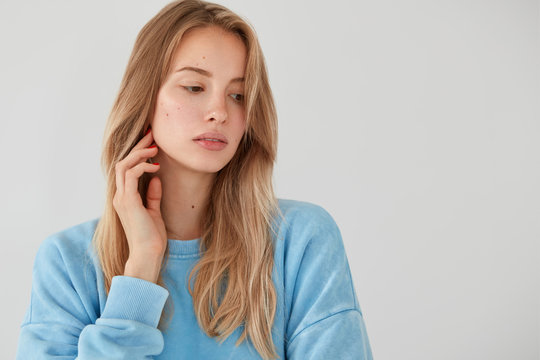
[211, 144]
[209, 139]
[214, 137]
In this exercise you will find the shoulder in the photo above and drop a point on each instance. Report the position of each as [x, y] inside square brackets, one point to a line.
[298, 211]
[65, 275]
[313, 264]
[305, 224]
[69, 245]
[305, 216]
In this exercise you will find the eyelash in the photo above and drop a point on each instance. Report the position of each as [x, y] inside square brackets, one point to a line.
[198, 87]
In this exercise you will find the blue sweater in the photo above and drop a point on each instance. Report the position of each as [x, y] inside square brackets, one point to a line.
[71, 317]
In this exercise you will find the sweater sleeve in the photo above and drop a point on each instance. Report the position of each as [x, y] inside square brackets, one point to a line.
[325, 319]
[59, 324]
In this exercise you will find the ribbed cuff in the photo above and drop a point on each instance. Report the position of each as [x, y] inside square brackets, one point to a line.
[136, 299]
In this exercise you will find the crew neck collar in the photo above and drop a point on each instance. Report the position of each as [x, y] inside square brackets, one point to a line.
[184, 247]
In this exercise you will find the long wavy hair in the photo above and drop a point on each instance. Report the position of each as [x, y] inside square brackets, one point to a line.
[233, 279]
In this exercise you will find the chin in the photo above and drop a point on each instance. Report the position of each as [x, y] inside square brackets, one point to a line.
[196, 163]
[210, 168]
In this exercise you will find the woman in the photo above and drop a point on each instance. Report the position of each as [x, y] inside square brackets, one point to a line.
[194, 257]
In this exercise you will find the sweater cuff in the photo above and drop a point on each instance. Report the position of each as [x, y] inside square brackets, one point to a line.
[136, 299]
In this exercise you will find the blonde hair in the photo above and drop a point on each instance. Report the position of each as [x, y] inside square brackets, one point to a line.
[238, 223]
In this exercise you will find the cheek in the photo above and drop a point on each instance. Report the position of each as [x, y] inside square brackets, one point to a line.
[237, 123]
[175, 113]
[240, 129]
[237, 139]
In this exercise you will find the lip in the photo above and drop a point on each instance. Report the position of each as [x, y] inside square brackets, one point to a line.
[211, 145]
[211, 135]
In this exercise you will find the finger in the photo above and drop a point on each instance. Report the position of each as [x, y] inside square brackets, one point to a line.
[132, 177]
[120, 169]
[137, 156]
[133, 158]
[145, 141]
[153, 194]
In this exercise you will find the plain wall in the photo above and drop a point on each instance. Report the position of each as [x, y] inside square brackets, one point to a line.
[414, 123]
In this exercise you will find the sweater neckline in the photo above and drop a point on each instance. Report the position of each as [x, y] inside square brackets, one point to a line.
[184, 247]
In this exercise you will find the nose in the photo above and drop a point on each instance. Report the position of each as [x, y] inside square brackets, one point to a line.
[217, 109]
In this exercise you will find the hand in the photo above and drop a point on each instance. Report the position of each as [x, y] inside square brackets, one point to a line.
[144, 227]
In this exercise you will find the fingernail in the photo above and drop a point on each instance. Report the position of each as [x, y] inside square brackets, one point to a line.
[147, 131]
[152, 146]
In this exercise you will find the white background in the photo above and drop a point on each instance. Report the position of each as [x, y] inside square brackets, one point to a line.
[414, 123]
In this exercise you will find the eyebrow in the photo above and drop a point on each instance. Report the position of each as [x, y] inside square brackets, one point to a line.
[206, 73]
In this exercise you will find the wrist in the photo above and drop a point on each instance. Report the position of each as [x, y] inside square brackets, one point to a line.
[144, 269]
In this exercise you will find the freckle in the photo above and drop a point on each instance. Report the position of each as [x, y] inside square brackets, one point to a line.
[178, 108]
[204, 57]
[167, 114]
[193, 206]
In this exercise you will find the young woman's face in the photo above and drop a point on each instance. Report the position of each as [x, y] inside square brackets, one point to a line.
[203, 93]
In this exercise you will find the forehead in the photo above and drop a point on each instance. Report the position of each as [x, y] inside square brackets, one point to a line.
[213, 49]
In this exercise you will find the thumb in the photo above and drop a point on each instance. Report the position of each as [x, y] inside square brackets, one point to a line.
[153, 194]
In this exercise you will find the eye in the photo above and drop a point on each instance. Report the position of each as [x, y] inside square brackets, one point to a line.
[240, 98]
[192, 87]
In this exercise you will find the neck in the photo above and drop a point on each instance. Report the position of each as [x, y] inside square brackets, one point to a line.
[185, 196]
